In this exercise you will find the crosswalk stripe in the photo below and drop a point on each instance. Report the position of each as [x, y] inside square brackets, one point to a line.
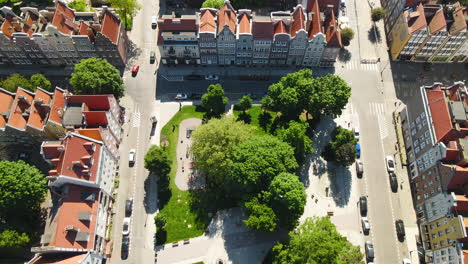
[136, 119]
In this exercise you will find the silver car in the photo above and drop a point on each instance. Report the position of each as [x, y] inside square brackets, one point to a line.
[365, 225]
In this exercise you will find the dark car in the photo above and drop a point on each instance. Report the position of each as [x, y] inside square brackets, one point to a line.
[393, 181]
[152, 57]
[363, 205]
[128, 207]
[125, 246]
[369, 251]
[400, 229]
[359, 168]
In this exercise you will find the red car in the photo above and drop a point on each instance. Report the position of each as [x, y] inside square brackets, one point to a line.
[135, 69]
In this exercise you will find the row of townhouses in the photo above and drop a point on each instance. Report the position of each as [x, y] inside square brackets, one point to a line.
[79, 137]
[427, 33]
[306, 36]
[60, 36]
[435, 134]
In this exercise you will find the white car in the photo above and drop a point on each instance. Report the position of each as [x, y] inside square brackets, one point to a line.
[211, 77]
[181, 96]
[365, 225]
[131, 157]
[356, 133]
[406, 261]
[126, 226]
[390, 162]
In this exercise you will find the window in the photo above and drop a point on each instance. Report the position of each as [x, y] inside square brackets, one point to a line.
[441, 233]
[438, 223]
[442, 243]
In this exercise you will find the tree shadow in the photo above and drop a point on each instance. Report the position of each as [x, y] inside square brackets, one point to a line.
[344, 55]
[245, 117]
[340, 184]
[151, 195]
[133, 52]
[264, 120]
[374, 35]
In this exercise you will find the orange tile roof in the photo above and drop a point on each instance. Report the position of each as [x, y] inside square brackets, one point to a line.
[416, 19]
[110, 26]
[244, 24]
[16, 118]
[175, 25]
[94, 133]
[315, 25]
[459, 21]
[227, 16]
[39, 112]
[7, 27]
[64, 18]
[331, 31]
[280, 27]
[27, 26]
[437, 22]
[57, 106]
[58, 259]
[67, 216]
[262, 30]
[298, 21]
[439, 111]
[207, 21]
[465, 256]
[6, 98]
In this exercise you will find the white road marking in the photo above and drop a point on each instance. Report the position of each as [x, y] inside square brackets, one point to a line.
[383, 129]
[136, 119]
[376, 109]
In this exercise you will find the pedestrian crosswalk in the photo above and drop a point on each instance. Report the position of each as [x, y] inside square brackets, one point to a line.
[376, 108]
[357, 65]
[136, 119]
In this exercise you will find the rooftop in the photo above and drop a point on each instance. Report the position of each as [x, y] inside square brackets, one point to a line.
[262, 29]
[280, 27]
[314, 21]
[64, 18]
[439, 111]
[331, 31]
[244, 24]
[58, 259]
[110, 26]
[298, 20]
[227, 17]
[175, 24]
[39, 109]
[57, 105]
[435, 17]
[416, 19]
[207, 21]
[20, 110]
[457, 21]
[6, 99]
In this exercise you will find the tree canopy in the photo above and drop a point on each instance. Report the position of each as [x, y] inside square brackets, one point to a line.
[245, 103]
[10, 239]
[329, 96]
[157, 161]
[17, 80]
[39, 80]
[258, 160]
[342, 147]
[347, 34]
[377, 14]
[213, 4]
[296, 136]
[214, 100]
[212, 146]
[78, 5]
[316, 241]
[96, 76]
[261, 216]
[126, 9]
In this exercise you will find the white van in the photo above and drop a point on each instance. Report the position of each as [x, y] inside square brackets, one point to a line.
[154, 22]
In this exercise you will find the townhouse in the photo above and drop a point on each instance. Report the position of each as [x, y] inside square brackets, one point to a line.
[453, 50]
[306, 37]
[60, 36]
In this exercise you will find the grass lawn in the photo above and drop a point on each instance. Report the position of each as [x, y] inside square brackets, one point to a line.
[177, 211]
[254, 114]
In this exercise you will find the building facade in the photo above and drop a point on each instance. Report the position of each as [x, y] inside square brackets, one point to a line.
[226, 37]
[299, 37]
[317, 40]
[207, 36]
[244, 44]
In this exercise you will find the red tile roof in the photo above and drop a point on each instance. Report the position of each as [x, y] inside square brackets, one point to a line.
[31, 19]
[67, 218]
[181, 25]
[207, 21]
[94, 102]
[64, 18]
[110, 26]
[57, 106]
[437, 22]
[416, 20]
[7, 27]
[262, 30]
[6, 98]
[439, 111]
[315, 23]
[244, 24]
[331, 31]
[280, 27]
[57, 259]
[39, 109]
[227, 16]
[298, 20]
[20, 107]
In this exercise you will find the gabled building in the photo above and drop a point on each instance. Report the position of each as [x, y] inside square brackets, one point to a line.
[262, 38]
[226, 37]
[299, 37]
[78, 258]
[333, 38]
[207, 32]
[437, 32]
[281, 38]
[244, 37]
[316, 39]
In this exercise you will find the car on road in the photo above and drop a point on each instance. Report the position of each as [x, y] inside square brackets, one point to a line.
[358, 150]
[363, 205]
[128, 207]
[189, 133]
[154, 22]
[369, 251]
[211, 77]
[390, 163]
[126, 226]
[124, 248]
[393, 182]
[359, 168]
[135, 69]
[365, 225]
[406, 261]
[152, 57]
[356, 132]
[400, 229]
[131, 157]
[181, 96]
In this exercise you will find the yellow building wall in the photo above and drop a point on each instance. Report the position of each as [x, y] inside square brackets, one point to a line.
[400, 36]
[55, 130]
[448, 228]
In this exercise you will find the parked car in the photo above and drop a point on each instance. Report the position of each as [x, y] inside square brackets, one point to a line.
[406, 261]
[189, 133]
[400, 229]
[211, 77]
[365, 225]
[358, 151]
[131, 157]
[152, 57]
[363, 205]
[128, 207]
[356, 132]
[390, 163]
[124, 248]
[369, 251]
[393, 182]
[135, 70]
[154, 22]
[359, 168]
[181, 96]
[126, 226]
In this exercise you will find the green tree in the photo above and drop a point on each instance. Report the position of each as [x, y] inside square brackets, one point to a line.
[245, 103]
[214, 100]
[316, 241]
[212, 146]
[126, 9]
[329, 96]
[258, 160]
[23, 188]
[377, 14]
[157, 161]
[345, 155]
[213, 4]
[39, 80]
[260, 216]
[287, 198]
[78, 5]
[296, 136]
[17, 80]
[341, 148]
[10, 239]
[347, 34]
[96, 76]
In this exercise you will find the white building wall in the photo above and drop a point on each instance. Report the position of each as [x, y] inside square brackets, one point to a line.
[106, 171]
